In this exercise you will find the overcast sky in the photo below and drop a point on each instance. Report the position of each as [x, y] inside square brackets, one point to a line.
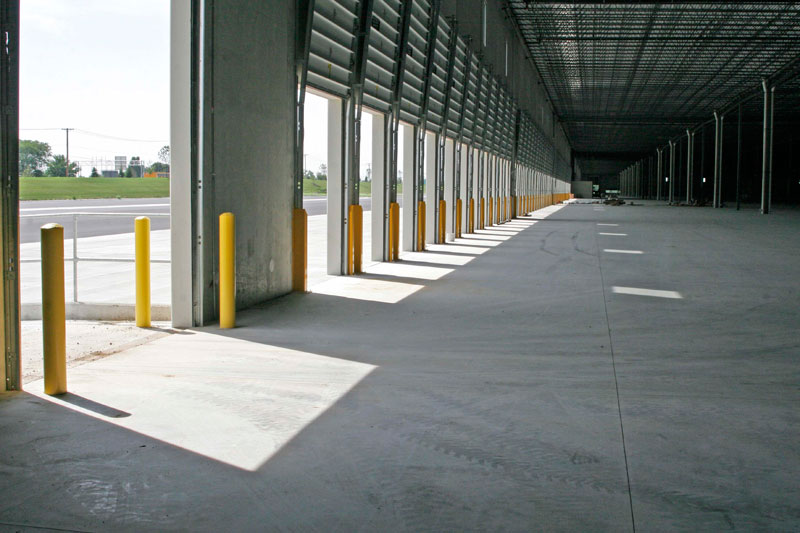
[102, 67]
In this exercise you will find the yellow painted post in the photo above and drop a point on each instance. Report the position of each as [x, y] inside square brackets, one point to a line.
[227, 271]
[142, 230]
[442, 221]
[299, 250]
[391, 236]
[471, 215]
[395, 207]
[421, 226]
[490, 214]
[458, 218]
[54, 339]
[358, 245]
[482, 215]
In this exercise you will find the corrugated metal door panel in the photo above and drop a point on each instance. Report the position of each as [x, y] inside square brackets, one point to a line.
[382, 54]
[331, 49]
[413, 82]
[438, 79]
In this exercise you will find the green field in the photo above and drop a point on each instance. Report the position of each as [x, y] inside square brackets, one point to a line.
[320, 188]
[77, 188]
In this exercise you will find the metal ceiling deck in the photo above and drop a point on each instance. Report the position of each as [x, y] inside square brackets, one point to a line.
[624, 77]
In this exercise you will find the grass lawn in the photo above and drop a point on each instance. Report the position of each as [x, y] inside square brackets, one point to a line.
[79, 188]
[320, 188]
[75, 188]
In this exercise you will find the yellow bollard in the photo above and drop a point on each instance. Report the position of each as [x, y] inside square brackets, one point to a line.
[458, 218]
[358, 244]
[442, 221]
[421, 215]
[490, 215]
[227, 271]
[471, 216]
[53, 310]
[299, 249]
[141, 228]
[482, 215]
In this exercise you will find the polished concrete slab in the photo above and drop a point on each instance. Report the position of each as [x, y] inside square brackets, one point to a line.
[515, 391]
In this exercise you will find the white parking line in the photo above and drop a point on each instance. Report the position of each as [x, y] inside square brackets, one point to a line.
[647, 292]
[613, 234]
[602, 224]
[623, 251]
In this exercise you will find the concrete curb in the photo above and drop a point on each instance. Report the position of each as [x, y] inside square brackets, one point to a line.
[98, 311]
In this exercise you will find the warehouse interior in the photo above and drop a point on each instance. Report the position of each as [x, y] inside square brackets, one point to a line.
[513, 359]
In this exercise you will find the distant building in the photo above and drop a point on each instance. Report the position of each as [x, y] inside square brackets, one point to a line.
[120, 161]
[109, 173]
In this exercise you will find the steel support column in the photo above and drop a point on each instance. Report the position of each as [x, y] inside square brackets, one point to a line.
[738, 157]
[659, 172]
[671, 176]
[766, 164]
[689, 164]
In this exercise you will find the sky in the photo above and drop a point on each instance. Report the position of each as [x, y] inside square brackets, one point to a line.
[102, 68]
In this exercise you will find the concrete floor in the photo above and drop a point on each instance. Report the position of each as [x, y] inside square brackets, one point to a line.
[484, 385]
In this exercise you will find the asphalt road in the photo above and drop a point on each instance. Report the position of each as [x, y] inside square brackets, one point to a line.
[96, 224]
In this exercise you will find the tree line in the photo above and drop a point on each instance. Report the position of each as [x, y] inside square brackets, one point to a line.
[36, 159]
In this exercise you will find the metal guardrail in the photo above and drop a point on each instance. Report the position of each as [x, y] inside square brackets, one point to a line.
[75, 257]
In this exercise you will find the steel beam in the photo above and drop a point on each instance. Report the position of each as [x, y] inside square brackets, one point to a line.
[671, 171]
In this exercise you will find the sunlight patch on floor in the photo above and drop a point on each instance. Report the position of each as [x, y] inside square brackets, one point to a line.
[231, 400]
[402, 270]
[371, 290]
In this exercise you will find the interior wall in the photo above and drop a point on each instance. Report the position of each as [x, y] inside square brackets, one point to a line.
[248, 144]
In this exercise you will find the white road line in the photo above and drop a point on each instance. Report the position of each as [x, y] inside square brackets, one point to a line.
[647, 292]
[613, 234]
[623, 251]
[82, 208]
[602, 224]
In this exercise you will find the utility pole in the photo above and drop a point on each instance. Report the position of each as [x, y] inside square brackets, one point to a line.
[67, 130]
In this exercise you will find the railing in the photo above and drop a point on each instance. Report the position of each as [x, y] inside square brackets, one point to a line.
[75, 258]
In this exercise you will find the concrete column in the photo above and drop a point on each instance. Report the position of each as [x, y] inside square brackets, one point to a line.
[380, 201]
[407, 165]
[464, 196]
[766, 164]
[336, 199]
[245, 136]
[180, 195]
[431, 154]
[449, 186]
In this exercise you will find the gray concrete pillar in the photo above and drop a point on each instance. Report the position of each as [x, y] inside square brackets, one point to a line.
[336, 192]
[380, 201]
[181, 237]
[407, 165]
[430, 187]
[449, 187]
